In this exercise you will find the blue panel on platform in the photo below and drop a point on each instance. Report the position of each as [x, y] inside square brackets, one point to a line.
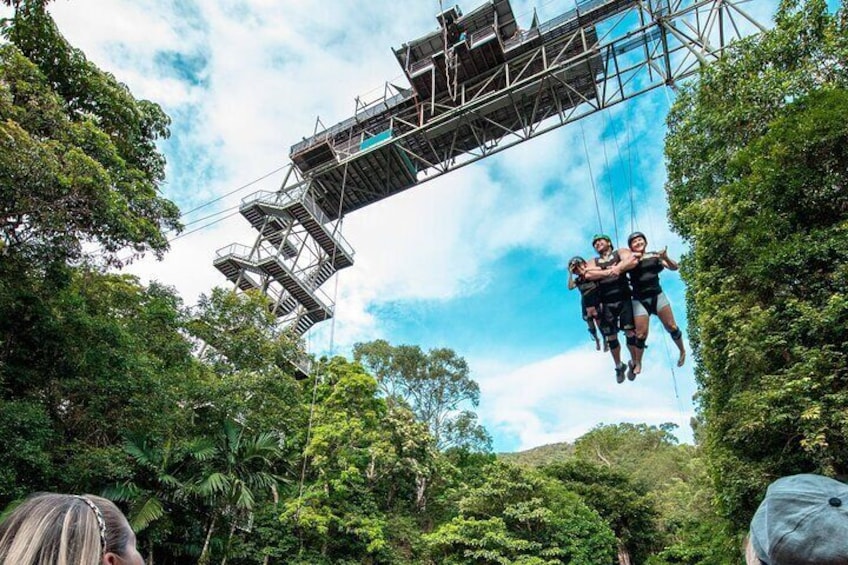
[376, 140]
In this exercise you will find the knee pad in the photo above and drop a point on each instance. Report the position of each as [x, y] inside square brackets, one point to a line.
[632, 341]
[640, 343]
[675, 334]
[614, 344]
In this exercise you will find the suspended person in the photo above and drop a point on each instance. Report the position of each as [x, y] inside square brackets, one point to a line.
[49, 529]
[609, 268]
[649, 298]
[589, 297]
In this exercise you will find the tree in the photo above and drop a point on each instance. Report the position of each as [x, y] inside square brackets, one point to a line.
[164, 482]
[436, 385]
[626, 506]
[158, 485]
[240, 466]
[647, 454]
[78, 158]
[364, 461]
[757, 185]
[238, 332]
[694, 531]
[16, 3]
[86, 357]
[517, 516]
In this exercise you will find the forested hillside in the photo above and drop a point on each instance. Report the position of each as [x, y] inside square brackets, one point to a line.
[189, 415]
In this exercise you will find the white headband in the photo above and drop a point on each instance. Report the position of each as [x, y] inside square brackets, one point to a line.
[101, 523]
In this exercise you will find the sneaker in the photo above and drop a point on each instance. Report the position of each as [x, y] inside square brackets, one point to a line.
[631, 376]
[619, 373]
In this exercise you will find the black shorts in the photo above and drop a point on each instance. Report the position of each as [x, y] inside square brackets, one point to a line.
[587, 302]
[616, 316]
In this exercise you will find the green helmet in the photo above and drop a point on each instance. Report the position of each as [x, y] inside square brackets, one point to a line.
[598, 236]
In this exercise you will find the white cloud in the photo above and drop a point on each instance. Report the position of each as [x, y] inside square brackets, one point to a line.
[561, 398]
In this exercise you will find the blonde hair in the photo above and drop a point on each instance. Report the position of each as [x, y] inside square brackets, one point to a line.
[62, 529]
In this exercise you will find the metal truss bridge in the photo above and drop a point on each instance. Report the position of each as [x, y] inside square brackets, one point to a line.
[479, 84]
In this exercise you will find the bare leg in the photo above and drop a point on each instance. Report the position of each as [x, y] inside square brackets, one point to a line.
[642, 324]
[633, 351]
[630, 348]
[595, 327]
[614, 351]
[606, 343]
[593, 331]
[616, 357]
[667, 318]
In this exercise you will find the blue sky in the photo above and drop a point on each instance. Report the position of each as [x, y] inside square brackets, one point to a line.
[474, 260]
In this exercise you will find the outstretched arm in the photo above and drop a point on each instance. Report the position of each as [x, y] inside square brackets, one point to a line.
[667, 261]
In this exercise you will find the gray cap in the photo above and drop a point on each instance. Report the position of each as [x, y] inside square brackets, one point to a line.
[803, 520]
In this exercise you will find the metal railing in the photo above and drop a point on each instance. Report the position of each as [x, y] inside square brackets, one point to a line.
[299, 194]
[239, 250]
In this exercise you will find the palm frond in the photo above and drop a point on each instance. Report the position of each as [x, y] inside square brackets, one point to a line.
[122, 492]
[150, 511]
[244, 496]
[138, 449]
[215, 483]
[169, 480]
[201, 449]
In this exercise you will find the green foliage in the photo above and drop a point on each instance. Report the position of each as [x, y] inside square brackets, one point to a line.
[436, 385]
[364, 459]
[626, 506]
[517, 516]
[85, 357]
[26, 443]
[695, 533]
[240, 333]
[649, 455]
[758, 173]
[655, 495]
[538, 456]
[161, 476]
[78, 158]
[239, 468]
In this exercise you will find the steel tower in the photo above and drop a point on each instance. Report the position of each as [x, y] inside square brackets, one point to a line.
[479, 84]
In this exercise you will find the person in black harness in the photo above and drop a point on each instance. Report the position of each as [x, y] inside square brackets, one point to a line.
[609, 269]
[590, 303]
[649, 298]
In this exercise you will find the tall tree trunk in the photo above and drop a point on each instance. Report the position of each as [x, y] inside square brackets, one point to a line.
[204, 553]
[229, 539]
[623, 554]
[421, 492]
